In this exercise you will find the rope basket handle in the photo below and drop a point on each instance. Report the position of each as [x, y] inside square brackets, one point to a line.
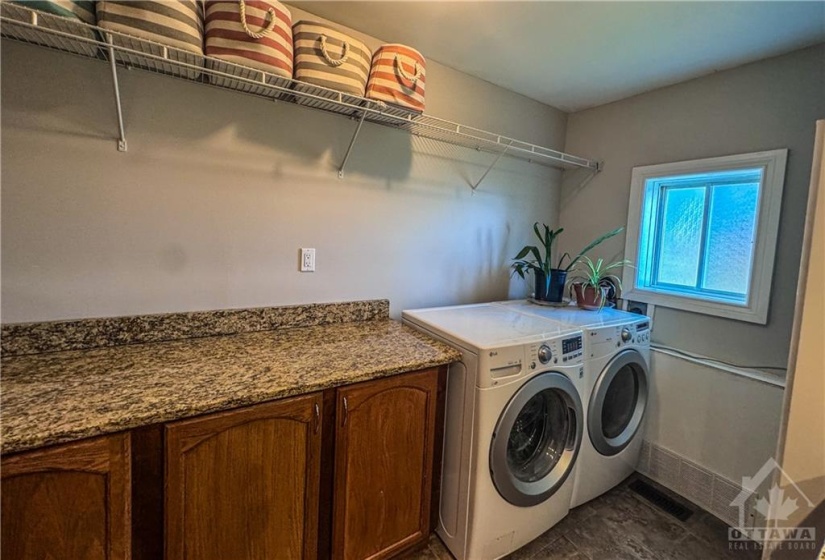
[403, 73]
[332, 61]
[270, 15]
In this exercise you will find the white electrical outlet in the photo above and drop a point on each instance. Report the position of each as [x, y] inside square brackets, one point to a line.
[307, 260]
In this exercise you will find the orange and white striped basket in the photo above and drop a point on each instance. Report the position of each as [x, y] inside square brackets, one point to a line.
[397, 76]
[252, 33]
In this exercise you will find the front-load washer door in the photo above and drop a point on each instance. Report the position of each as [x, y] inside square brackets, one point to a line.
[618, 402]
[537, 439]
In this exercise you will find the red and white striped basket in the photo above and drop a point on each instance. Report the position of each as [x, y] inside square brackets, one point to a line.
[397, 76]
[252, 33]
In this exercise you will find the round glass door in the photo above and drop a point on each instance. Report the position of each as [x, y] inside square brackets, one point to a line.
[536, 440]
[618, 402]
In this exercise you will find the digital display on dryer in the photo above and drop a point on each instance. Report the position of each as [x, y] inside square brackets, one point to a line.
[569, 345]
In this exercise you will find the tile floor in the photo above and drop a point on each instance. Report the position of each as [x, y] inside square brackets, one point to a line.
[622, 525]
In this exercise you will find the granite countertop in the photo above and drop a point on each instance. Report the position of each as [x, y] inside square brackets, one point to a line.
[57, 397]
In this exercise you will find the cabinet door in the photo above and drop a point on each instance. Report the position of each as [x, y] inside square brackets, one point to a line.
[383, 465]
[244, 484]
[70, 501]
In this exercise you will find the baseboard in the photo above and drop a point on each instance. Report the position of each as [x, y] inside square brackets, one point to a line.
[710, 491]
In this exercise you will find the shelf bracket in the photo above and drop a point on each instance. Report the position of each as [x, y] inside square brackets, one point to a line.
[495, 161]
[351, 145]
[121, 143]
[575, 180]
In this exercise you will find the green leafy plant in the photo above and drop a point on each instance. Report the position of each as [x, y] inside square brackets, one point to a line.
[544, 262]
[598, 275]
[539, 261]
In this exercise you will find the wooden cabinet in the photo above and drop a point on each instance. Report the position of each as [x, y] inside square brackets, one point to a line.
[244, 484]
[384, 446]
[70, 501]
[276, 480]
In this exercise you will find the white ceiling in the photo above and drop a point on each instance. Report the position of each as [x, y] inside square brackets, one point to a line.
[575, 55]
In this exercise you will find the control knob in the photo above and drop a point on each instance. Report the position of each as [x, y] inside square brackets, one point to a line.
[626, 336]
[545, 354]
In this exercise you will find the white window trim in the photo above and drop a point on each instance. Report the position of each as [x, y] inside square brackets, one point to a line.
[770, 202]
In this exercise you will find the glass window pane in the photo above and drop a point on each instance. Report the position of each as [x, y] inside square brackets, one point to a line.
[731, 229]
[681, 236]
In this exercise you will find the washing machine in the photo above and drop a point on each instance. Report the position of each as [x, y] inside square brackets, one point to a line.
[514, 423]
[616, 371]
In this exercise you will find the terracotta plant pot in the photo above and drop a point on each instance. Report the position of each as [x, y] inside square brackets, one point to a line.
[589, 297]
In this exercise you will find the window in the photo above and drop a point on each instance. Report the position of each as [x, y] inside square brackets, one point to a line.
[703, 234]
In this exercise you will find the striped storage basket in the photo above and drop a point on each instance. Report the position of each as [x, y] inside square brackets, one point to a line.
[326, 57]
[397, 77]
[254, 33]
[75, 9]
[176, 23]
[62, 15]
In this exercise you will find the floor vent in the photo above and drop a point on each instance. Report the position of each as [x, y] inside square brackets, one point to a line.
[713, 492]
[660, 500]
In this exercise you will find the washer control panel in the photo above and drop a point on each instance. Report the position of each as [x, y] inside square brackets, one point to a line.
[564, 350]
[545, 354]
[504, 362]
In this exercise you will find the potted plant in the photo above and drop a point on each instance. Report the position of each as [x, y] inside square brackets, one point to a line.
[550, 281]
[594, 280]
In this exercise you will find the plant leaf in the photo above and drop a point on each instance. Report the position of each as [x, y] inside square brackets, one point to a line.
[523, 253]
[548, 246]
[593, 244]
[538, 233]
[547, 239]
[617, 264]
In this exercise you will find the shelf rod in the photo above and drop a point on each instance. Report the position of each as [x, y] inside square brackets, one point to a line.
[121, 143]
[351, 144]
[495, 161]
[157, 57]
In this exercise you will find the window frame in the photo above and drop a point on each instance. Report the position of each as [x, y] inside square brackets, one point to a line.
[755, 308]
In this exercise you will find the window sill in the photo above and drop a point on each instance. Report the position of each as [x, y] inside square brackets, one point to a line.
[751, 314]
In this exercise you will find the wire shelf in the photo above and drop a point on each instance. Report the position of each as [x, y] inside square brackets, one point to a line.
[70, 36]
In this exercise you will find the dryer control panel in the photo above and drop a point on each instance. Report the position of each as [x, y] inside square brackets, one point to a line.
[603, 341]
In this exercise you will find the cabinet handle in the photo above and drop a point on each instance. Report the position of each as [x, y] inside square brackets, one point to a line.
[317, 417]
[346, 412]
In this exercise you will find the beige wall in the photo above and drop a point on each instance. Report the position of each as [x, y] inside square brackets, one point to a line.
[765, 105]
[218, 191]
[723, 422]
[728, 424]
